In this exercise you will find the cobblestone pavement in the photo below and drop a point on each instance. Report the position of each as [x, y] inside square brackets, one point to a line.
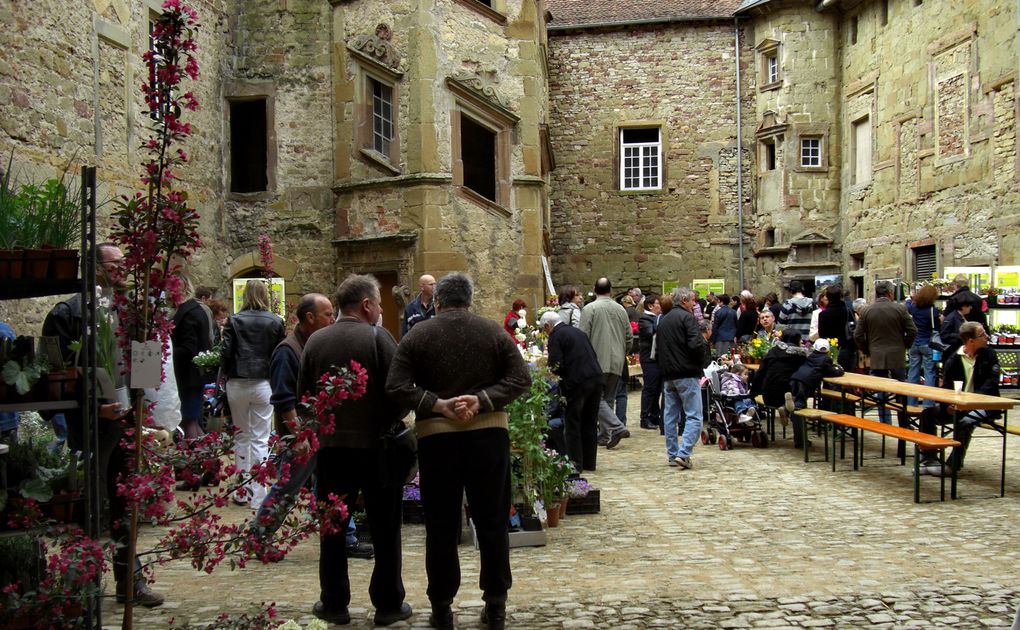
[750, 538]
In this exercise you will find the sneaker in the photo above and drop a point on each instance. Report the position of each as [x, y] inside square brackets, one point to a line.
[744, 419]
[361, 550]
[144, 596]
[788, 402]
[672, 461]
[390, 617]
[684, 462]
[338, 616]
[935, 469]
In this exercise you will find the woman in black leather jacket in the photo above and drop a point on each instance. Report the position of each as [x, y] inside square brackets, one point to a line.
[249, 339]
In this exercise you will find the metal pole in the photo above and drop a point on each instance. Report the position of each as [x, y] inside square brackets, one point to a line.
[90, 402]
[740, 163]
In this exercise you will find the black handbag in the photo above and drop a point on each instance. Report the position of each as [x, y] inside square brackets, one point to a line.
[851, 325]
[935, 341]
[398, 456]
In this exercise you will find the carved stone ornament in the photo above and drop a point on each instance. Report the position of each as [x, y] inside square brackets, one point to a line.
[483, 84]
[378, 47]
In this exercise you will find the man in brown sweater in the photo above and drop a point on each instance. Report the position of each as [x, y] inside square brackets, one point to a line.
[458, 371]
[349, 459]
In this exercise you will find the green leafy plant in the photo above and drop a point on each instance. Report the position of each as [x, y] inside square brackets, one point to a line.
[22, 368]
[529, 461]
[34, 215]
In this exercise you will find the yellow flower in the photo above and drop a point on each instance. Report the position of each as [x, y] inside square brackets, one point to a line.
[757, 341]
[833, 342]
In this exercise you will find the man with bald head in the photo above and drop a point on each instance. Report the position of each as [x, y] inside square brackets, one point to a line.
[421, 307]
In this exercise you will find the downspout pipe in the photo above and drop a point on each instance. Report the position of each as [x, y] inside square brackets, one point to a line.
[740, 161]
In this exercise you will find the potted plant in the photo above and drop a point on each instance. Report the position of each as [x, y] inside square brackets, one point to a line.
[584, 498]
[21, 369]
[555, 471]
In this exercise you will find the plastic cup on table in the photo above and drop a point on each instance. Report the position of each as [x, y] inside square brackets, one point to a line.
[957, 386]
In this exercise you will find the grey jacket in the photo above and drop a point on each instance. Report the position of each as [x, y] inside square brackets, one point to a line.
[608, 327]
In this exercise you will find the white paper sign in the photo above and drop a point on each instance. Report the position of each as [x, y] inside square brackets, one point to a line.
[146, 364]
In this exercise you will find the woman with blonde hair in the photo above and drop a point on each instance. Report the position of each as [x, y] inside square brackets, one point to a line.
[249, 339]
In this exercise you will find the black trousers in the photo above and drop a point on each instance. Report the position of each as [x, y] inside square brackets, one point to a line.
[581, 424]
[651, 393]
[115, 462]
[478, 463]
[343, 472]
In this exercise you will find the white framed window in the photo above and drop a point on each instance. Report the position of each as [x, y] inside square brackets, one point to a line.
[640, 158]
[772, 68]
[811, 152]
[382, 116]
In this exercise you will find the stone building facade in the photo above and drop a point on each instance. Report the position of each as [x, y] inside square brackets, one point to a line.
[614, 138]
[667, 87]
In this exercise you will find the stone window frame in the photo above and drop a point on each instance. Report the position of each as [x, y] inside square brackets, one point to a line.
[234, 91]
[947, 45]
[367, 73]
[812, 131]
[496, 119]
[765, 157]
[619, 161]
[494, 10]
[768, 54]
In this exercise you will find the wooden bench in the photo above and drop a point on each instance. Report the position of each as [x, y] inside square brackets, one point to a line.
[809, 415]
[921, 441]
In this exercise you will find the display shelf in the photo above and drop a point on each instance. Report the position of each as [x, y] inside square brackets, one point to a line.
[50, 405]
[1005, 307]
[19, 289]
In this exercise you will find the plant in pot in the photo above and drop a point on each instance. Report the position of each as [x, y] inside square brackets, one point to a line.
[555, 471]
[12, 218]
[58, 208]
[528, 419]
[22, 368]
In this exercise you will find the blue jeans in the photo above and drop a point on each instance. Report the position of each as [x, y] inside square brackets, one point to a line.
[681, 393]
[920, 359]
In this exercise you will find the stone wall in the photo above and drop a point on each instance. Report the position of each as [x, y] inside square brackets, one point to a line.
[404, 214]
[941, 76]
[793, 202]
[679, 76]
[68, 97]
[281, 48]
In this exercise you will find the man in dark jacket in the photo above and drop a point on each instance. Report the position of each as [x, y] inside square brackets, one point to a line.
[976, 367]
[724, 326]
[422, 307]
[963, 295]
[459, 371]
[350, 457]
[651, 379]
[885, 332]
[192, 334]
[682, 353]
[572, 358]
[772, 380]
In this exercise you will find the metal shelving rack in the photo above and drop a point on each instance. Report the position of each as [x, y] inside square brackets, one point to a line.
[88, 405]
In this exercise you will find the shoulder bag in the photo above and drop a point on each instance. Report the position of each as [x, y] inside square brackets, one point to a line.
[935, 341]
[850, 326]
[398, 445]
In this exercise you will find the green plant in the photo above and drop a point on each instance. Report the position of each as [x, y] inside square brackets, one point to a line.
[527, 424]
[22, 368]
[12, 213]
[33, 215]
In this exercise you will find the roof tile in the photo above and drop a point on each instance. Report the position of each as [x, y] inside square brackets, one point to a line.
[589, 12]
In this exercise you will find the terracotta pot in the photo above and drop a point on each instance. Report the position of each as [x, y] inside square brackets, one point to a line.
[62, 385]
[37, 263]
[64, 264]
[563, 507]
[11, 264]
[552, 515]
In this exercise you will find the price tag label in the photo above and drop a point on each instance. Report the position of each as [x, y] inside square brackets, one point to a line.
[146, 364]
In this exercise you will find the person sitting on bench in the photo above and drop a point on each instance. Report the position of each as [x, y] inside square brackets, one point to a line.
[976, 367]
[772, 380]
[809, 376]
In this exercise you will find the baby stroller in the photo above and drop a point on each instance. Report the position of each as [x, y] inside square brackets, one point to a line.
[730, 417]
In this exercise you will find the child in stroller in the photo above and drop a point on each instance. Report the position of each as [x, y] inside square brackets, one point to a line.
[732, 412]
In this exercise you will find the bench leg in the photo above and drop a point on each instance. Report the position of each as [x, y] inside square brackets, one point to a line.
[942, 478]
[824, 426]
[917, 474]
[854, 435]
[1005, 434]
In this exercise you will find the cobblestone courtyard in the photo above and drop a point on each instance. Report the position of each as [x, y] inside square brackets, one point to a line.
[749, 538]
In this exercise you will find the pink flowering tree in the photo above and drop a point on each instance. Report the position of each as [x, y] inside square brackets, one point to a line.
[158, 231]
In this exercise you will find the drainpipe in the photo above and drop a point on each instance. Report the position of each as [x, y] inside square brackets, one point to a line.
[740, 161]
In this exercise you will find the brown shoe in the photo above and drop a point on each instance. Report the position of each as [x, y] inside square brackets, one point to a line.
[144, 596]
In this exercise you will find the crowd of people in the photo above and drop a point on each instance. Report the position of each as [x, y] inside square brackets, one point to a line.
[457, 372]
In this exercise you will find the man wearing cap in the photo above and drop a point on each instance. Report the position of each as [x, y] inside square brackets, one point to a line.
[808, 377]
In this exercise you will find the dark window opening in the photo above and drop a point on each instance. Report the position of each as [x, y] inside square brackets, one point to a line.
[856, 262]
[770, 156]
[248, 158]
[925, 263]
[853, 30]
[883, 12]
[770, 237]
[641, 135]
[478, 156]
